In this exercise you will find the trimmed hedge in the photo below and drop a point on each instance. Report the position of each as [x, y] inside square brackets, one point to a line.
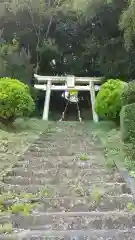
[108, 100]
[128, 95]
[127, 119]
[127, 123]
[15, 100]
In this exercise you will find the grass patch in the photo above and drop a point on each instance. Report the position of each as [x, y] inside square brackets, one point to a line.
[83, 157]
[130, 206]
[14, 142]
[16, 203]
[96, 195]
[6, 228]
[22, 208]
[114, 149]
[108, 137]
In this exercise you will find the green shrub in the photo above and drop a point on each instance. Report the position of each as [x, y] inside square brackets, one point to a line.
[108, 100]
[15, 100]
[127, 123]
[128, 95]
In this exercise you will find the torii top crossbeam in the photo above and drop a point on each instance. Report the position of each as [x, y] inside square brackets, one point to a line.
[58, 79]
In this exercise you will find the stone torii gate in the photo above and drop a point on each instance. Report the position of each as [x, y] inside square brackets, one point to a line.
[49, 83]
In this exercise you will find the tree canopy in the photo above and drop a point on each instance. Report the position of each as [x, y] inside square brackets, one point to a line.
[80, 37]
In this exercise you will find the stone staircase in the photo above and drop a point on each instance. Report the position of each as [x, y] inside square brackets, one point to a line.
[74, 196]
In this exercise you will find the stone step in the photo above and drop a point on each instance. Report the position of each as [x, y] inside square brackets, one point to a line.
[54, 147]
[63, 143]
[75, 204]
[4, 218]
[112, 234]
[104, 234]
[10, 237]
[57, 176]
[58, 162]
[48, 141]
[56, 180]
[43, 148]
[70, 140]
[75, 221]
[51, 152]
[69, 152]
[55, 137]
[28, 172]
[69, 137]
[65, 151]
[73, 189]
[16, 235]
[85, 204]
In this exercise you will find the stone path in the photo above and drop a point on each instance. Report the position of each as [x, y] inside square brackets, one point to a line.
[74, 196]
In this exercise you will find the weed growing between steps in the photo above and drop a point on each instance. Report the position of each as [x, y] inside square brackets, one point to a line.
[95, 196]
[21, 208]
[23, 203]
[130, 206]
[6, 228]
[14, 204]
[84, 157]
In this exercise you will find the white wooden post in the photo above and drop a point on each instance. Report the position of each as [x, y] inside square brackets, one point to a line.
[47, 101]
[92, 95]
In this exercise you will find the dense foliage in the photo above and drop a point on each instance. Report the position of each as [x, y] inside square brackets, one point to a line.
[15, 62]
[59, 37]
[128, 95]
[127, 119]
[127, 23]
[70, 36]
[15, 100]
[127, 123]
[108, 100]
